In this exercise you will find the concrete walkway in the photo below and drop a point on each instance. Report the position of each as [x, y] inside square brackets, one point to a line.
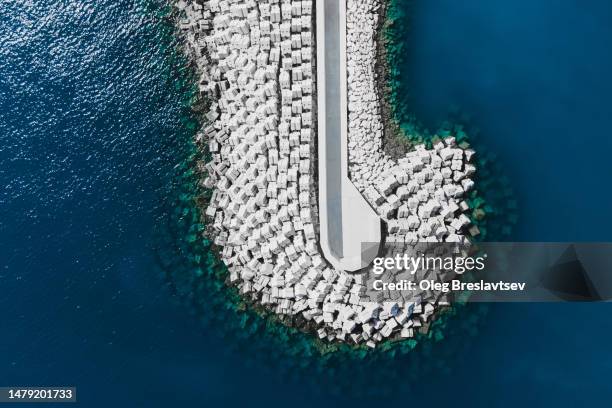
[347, 221]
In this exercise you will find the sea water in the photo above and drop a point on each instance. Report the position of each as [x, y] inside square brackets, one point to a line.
[97, 175]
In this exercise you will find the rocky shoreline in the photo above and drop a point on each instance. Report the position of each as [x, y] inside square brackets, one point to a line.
[395, 144]
[255, 63]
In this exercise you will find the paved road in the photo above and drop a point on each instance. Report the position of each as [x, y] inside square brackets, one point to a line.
[346, 219]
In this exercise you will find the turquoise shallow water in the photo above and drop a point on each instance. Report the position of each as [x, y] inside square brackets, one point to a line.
[94, 162]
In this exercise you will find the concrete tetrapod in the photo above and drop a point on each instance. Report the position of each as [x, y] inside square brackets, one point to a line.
[257, 63]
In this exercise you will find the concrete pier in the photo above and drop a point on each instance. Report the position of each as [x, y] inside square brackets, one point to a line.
[288, 99]
[350, 228]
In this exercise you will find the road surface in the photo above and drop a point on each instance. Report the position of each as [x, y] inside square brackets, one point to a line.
[346, 219]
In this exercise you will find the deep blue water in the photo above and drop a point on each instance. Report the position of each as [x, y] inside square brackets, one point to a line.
[534, 78]
[92, 129]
